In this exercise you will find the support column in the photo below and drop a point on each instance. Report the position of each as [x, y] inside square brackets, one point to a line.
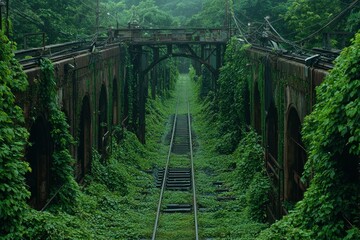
[218, 65]
[154, 73]
[142, 94]
[142, 106]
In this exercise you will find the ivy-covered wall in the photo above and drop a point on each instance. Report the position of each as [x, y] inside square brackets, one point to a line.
[56, 97]
[283, 86]
[330, 207]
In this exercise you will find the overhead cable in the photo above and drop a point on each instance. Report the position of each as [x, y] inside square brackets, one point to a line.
[341, 14]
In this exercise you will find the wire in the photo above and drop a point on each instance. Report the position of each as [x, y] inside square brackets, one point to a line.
[342, 13]
[239, 28]
[279, 37]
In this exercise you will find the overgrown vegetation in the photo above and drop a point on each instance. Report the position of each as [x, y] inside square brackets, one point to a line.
[73, 20]
[331, 132]
[229, 104]
[231, 98]
[118, 198]
[61, 162]
[13, 138]
[232, 189]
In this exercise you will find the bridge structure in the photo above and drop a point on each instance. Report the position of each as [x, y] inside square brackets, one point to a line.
[106, 83]
[149, 47]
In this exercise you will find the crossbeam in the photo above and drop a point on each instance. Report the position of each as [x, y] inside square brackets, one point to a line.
[178, 35]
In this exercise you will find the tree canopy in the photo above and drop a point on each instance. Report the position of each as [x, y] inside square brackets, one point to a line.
[71, 20]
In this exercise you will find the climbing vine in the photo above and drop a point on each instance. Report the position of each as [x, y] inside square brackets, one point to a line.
[249, 175]
[13, 138]
[231, 100]
[62, 161]
[330, 208]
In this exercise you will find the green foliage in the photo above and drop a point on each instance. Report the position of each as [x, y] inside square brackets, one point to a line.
[13, 138]
[62, 161]
[117, 200]
[231, 96]
[249, 175]
[61, 21]
[213, 8]
[248, 159]
[242, 172]
[148, 14]
[257, 196]
[115, 172]
[332, 134]
[255, 10]
[304, 17]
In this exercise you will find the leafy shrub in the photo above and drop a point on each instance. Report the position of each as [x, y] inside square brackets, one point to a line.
[62, 161]
[257, 197]
[232, 85]
[13, 137]
[249, 159]
[332, 133]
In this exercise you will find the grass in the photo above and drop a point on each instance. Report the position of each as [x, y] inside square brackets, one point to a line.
[119, 199]
[217, 219]
[176, 226]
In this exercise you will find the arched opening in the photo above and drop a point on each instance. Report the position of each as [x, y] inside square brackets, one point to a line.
[102, 120]
[38, 154]
[115, 105]
[272, 165]
[84, 149]
[184, 55]
[294, 159]
[257, 109]
[272, 131]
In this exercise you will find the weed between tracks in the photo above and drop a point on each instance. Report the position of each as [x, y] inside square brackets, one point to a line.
[118, 200]
[179, 226]
[181, 161]
[231, 189]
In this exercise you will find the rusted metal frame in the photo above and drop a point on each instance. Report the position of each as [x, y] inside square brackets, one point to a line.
[298, 144]
[192, 52]
[211, 53]
[273, 170]
[148, 68]
[160, 35]
[274, 160]
[271, 212]
[51, 199]
[297, 179]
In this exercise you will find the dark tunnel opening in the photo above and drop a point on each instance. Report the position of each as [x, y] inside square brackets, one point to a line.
[84, 148]
[295, 159]
[38, 154]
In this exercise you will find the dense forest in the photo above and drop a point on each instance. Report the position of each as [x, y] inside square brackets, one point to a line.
[295, 20]
[116, 200]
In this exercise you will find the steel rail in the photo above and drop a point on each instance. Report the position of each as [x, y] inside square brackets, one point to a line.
[193, 176]
[165, 175]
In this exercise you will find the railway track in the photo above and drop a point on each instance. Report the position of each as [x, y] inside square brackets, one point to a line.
[324, 61]
[177, 177]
